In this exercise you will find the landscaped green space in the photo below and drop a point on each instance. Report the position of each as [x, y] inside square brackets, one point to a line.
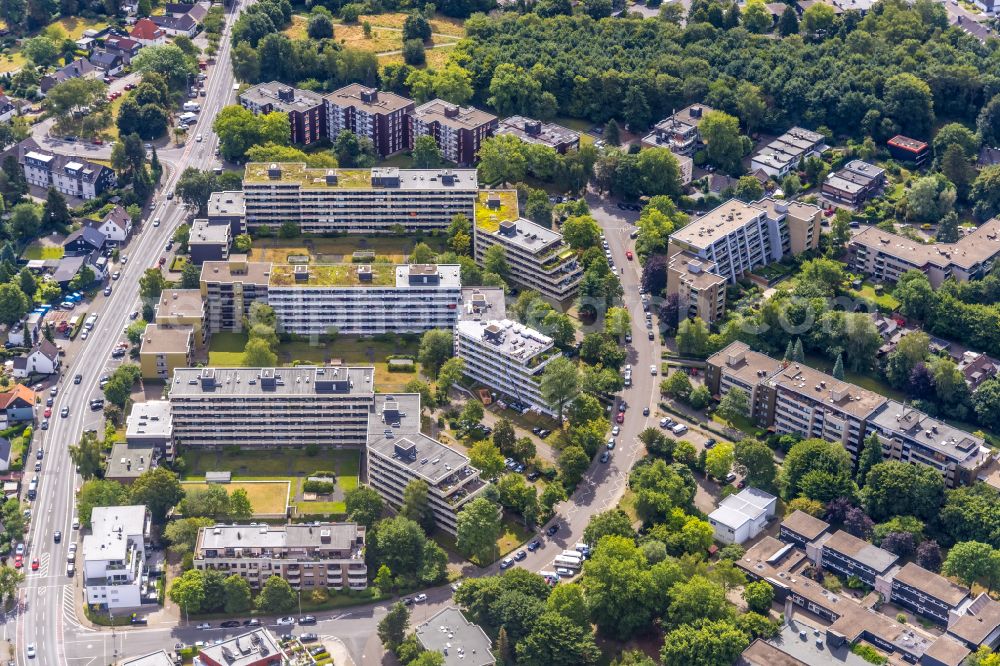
[392, 249]
[266, 497]
[226, 349]
[864, 381]
[885, 300]
[38, 251]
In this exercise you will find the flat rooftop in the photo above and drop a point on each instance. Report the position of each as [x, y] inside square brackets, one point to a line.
[128, 461]
[684, 120]
[948, 651]
[226, 204]
[812, 384]
[507, 337]
[936, 435]
[971, 249]
[494, 207]
[391, 178]
[907, 143]
[186, 303]
[332, 536]
[979, 621]
[149, 419]
[370, 100]
[237, 269]
[433, 461]
[244, 649]
[461, 642]
[110, 527]
[204, 232]
[860, 551]
[282, 97]
[790, 648]
[526, 235]
[303, 380]
[158, 658]
[808, 527]
[744, 364]
[449, 276]
[480, 303]
[452, 115]
[702, 232]
[932, 584]
[695, 270]
[538, 132]
[166, 339]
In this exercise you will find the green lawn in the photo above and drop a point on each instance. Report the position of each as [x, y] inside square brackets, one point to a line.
[270, 498]
[38, 251]
[226, 349]
[885, 301]
[864, 381]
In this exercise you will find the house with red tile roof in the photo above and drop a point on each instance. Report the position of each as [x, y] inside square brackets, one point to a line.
[148, 33]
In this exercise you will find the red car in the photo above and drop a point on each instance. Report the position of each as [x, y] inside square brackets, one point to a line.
[628, 254]
[620, 417]
[48, 412]
[129, 86]
[34, 564]
[18, 561]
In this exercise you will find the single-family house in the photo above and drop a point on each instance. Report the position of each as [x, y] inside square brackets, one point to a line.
[743, 516]
[83, 241]
[123, 46]
[7, 109]
[116, 225]
[148, 33]
[17, 404]
[5, 454]
[43, 359]
[183, 25]
[197, 11]
[80, 68]
[110, 63]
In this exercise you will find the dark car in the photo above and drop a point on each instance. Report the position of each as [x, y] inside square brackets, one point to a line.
[96, 404]
[408, 601]
[710, 442]
[534, 545]
[552, 529]
[230, 624]
[77, 379]
[520, 555]
[57, 536]
[534, 475]
[40, 454]
[308, 638]
[645, 411]
[251, 623]
[140, 621]
[307, 619]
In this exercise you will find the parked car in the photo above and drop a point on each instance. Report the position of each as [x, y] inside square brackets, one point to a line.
[506, 563]
[251, 623]
[307, 619]
[534, 545]
[605, 457]
[286, 621]
[420, 598]
[553, 528]
[229, 624]
[204, 625]
[520, 555]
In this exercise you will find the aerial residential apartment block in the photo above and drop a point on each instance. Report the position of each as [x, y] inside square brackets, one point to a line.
[306, 114]
[678, 132]
[72, 176]
[559, 138]
[368, 112]
[114, 556]
[778, 158]
[308, 556]
[794, 398]
[507, 357]
[886, 256]
[364, 299]
[853, 184]
[538, 257]
[261, 408]
[458, 130]
[229, 288]
[164, 349]
[399, 453]
[731, 240]
[380, 200]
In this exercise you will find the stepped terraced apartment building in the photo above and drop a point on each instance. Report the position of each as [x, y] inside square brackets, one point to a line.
[378, 200]
[538, 258]
[269, 408]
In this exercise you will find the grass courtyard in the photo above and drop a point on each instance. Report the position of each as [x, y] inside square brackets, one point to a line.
[290, 466]
[39, 251]
[266, 498]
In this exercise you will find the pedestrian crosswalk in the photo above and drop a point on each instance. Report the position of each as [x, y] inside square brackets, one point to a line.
[43, 566]
[69, 605]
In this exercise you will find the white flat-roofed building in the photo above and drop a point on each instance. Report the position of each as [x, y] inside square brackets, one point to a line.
[261, 408]
[461, 642]
[365, 299]
[679, 131]
[114, 556]
[253, 648]
[743, 516]
[778, 158]
[506, 356]
[361, 201]
[399, 453]
[158, 658]
[308, 555]
[538, 257]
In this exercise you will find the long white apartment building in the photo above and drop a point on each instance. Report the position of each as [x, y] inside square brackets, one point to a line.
[308, 555]
[365, 299]
[538, 257]
[379, 200]
[262, 408]
[114, 556]
[399, 453]
[506, 356]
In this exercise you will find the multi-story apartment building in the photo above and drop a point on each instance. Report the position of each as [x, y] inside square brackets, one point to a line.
[228, 208]
[182, 307]
[537, 257]
[793, 398]
[229, 288]
[114, 556]
[926, 593]
[908, 150]
[365, 299]
[910, 435]
[208, 242]
[306, 114]
[508, 357]
[380, 116]
[459, 131]
[730, 241]
[560, 139]
[308, 555]
[165, 349]
[778, 158]
[678, 132]
[853, 184]
[850, 556]
[801, 529]
[261, 408]
[886, 256]
[380, 200]
[399, 453]
[72, 176]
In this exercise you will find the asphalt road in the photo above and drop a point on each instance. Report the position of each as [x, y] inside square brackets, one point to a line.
[46, 615]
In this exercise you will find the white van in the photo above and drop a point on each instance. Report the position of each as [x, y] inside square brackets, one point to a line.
[91, 320]
[679, 429]
[192, 106]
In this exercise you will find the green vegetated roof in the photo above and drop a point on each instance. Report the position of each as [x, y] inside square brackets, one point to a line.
[334, 275]
[489, 219]
[297, 172]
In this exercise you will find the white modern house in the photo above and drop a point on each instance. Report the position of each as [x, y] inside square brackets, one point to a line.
[742, 517]
[114, 556]
[43, 359]
[116, 225]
